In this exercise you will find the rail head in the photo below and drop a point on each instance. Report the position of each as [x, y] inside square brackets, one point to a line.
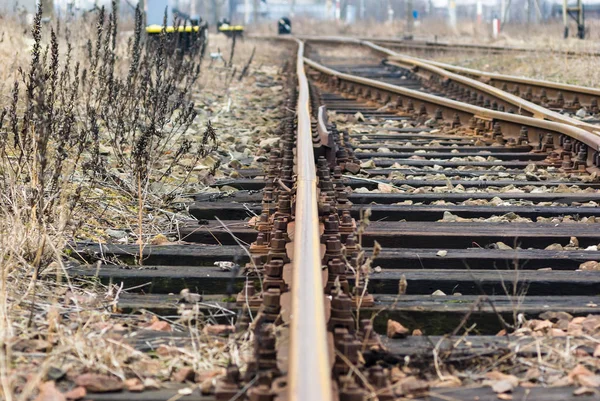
[309, 370]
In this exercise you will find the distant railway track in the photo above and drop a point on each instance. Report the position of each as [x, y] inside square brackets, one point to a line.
[490, 211]
[530, 97]
[437, 47]
[563, 98]
[549, 94]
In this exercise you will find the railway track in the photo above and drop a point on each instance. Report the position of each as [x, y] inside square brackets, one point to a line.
[540, 92]
[427, 46]
[398, 244]
[569, 104]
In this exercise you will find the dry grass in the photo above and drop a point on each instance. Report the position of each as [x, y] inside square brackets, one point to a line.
[14, 50]
[61, 327]
[50, 323]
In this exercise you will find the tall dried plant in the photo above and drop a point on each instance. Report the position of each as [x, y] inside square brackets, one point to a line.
[135, 101]
[64, 105]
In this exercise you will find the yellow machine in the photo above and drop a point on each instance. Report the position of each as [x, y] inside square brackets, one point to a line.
[156, 29]
[225, 27]
[183, 37]
[160, 12]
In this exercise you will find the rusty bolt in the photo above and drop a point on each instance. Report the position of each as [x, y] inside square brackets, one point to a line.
[281, 223]
[260, 239]
[377, 376]
[567, 145]
[267, 196]
[566, 162]
[524, 136]
[228, 387]
[272, 297]
[264, 347]
[333, 247]
[341, 313]
[368, 334]
[261, 392]
[243, 322]
[580, 160]
[249, 289]
[332, 224]
[399, 102]
[349, 390]
[497, 134]
[472, 123]
[278, 242]
[347, 222]
[456, 121]
[336, 271]
[274, 268]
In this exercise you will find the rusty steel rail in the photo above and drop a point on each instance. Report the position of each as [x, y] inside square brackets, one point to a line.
[516, 101]
[584, 93]
[446, 46]
[441, 45]
[309, 369]
[511, 123]
[429, 68]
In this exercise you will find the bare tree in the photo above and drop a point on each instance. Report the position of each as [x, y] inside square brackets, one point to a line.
[255, 9]
[409, 17]
[216, 9]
